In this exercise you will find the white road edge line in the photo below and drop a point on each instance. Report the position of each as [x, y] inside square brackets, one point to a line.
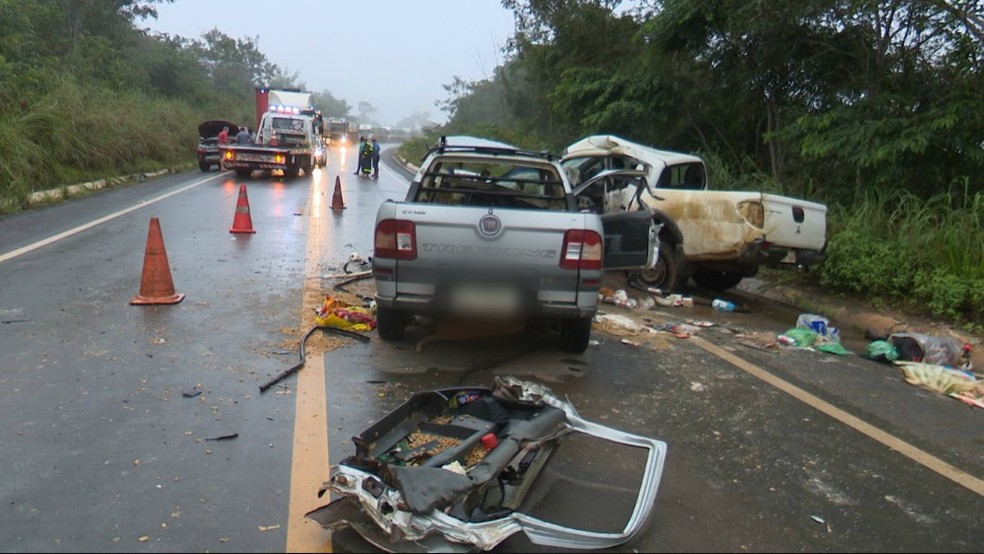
[395, 174]
[65, 234]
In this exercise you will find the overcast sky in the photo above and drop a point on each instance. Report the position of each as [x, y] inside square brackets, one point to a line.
[394, 54]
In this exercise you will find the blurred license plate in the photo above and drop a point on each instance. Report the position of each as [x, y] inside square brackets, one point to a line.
[254, 158]
[485, 300]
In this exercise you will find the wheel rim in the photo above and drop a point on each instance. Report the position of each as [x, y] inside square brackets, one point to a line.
[655, 275]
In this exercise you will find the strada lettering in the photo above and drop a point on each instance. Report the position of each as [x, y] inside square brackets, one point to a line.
[463, 250]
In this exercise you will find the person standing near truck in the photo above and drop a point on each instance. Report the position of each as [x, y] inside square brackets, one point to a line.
[365, 158]
[223, 137]
[375, 158]
[243, 137]
[358, 154]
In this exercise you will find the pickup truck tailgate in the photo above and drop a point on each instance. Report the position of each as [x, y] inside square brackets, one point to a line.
[794, 223]
[471, 237]
[489, 249]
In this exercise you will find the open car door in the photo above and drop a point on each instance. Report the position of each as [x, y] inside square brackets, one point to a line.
[631, 234]
[452, 470]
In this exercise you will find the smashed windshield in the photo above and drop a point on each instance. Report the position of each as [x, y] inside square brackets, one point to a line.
[487, 182]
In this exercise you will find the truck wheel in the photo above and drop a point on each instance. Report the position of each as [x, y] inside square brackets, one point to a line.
[666, 274]
[716, 280]
[575, 334]
[244, 173]
[390, 324]
[204, 166]
[292, 172]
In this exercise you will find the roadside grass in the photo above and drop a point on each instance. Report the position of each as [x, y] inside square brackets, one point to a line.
[414, 148]
[76, 133]
[897, 247]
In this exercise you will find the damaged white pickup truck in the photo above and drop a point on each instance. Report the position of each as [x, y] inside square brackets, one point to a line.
[452, 471]
[716, 237]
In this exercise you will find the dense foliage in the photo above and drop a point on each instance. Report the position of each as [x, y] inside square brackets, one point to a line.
[875, 107]
[86, 92]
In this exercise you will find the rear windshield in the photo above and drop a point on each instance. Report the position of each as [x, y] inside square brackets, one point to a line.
[492, 183]
[287, 124]
[689, 176]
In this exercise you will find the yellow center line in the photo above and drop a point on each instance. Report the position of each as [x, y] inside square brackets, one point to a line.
[915, 454]
[309, 466]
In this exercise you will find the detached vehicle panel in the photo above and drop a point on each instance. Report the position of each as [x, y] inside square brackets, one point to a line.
[490, 230]
[450, 471]
[717, 237]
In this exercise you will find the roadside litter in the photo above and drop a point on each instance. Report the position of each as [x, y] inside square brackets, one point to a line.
[356, 264]
[449, 470]
[881, 351]
[341, 315]
[918, 347]
[814, 332]
[621, 299]
[336, 317]
[679, 330]
[944, 380]
[619, 321]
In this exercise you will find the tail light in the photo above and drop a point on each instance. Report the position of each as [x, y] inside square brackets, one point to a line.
[229, 155]
[753, 212]
[582, 250]
[279, 159]
[396, 239]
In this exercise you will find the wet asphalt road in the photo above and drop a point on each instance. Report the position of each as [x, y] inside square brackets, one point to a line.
[102, 447]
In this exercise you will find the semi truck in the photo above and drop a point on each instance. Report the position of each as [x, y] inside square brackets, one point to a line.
[339, 131]
[289, 136]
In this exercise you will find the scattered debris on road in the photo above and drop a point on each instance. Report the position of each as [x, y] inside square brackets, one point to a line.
[450, 468]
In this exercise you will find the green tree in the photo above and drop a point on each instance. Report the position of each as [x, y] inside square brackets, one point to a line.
[331, 106]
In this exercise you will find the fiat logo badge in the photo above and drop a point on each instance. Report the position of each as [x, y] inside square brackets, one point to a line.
[489, 226]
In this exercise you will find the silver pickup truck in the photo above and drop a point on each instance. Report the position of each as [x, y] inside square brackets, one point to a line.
[489, 230]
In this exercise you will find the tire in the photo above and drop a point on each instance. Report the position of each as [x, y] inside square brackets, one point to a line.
[204, 167]
[244, 173]
[390, 324]
[666, 274]
[716, 280]
[575, 334]
[292, 172]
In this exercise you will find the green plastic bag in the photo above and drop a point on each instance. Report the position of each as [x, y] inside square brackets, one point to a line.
[834, 348]
[804, 337]
[882, 351]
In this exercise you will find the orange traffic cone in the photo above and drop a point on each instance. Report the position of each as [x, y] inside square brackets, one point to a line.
[242, 223]
[156, 286]
[337, 203]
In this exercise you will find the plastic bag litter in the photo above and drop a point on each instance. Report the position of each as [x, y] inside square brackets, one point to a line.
[341, 315]
[938, 378]
[917, 347]
[805, 338]
[833, 347]
[882, 351]
[819, 325]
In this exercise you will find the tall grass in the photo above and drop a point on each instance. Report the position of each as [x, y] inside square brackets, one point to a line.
[896, 246]
[76, 132]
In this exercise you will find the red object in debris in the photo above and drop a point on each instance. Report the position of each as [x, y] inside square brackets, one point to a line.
[489, 441]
